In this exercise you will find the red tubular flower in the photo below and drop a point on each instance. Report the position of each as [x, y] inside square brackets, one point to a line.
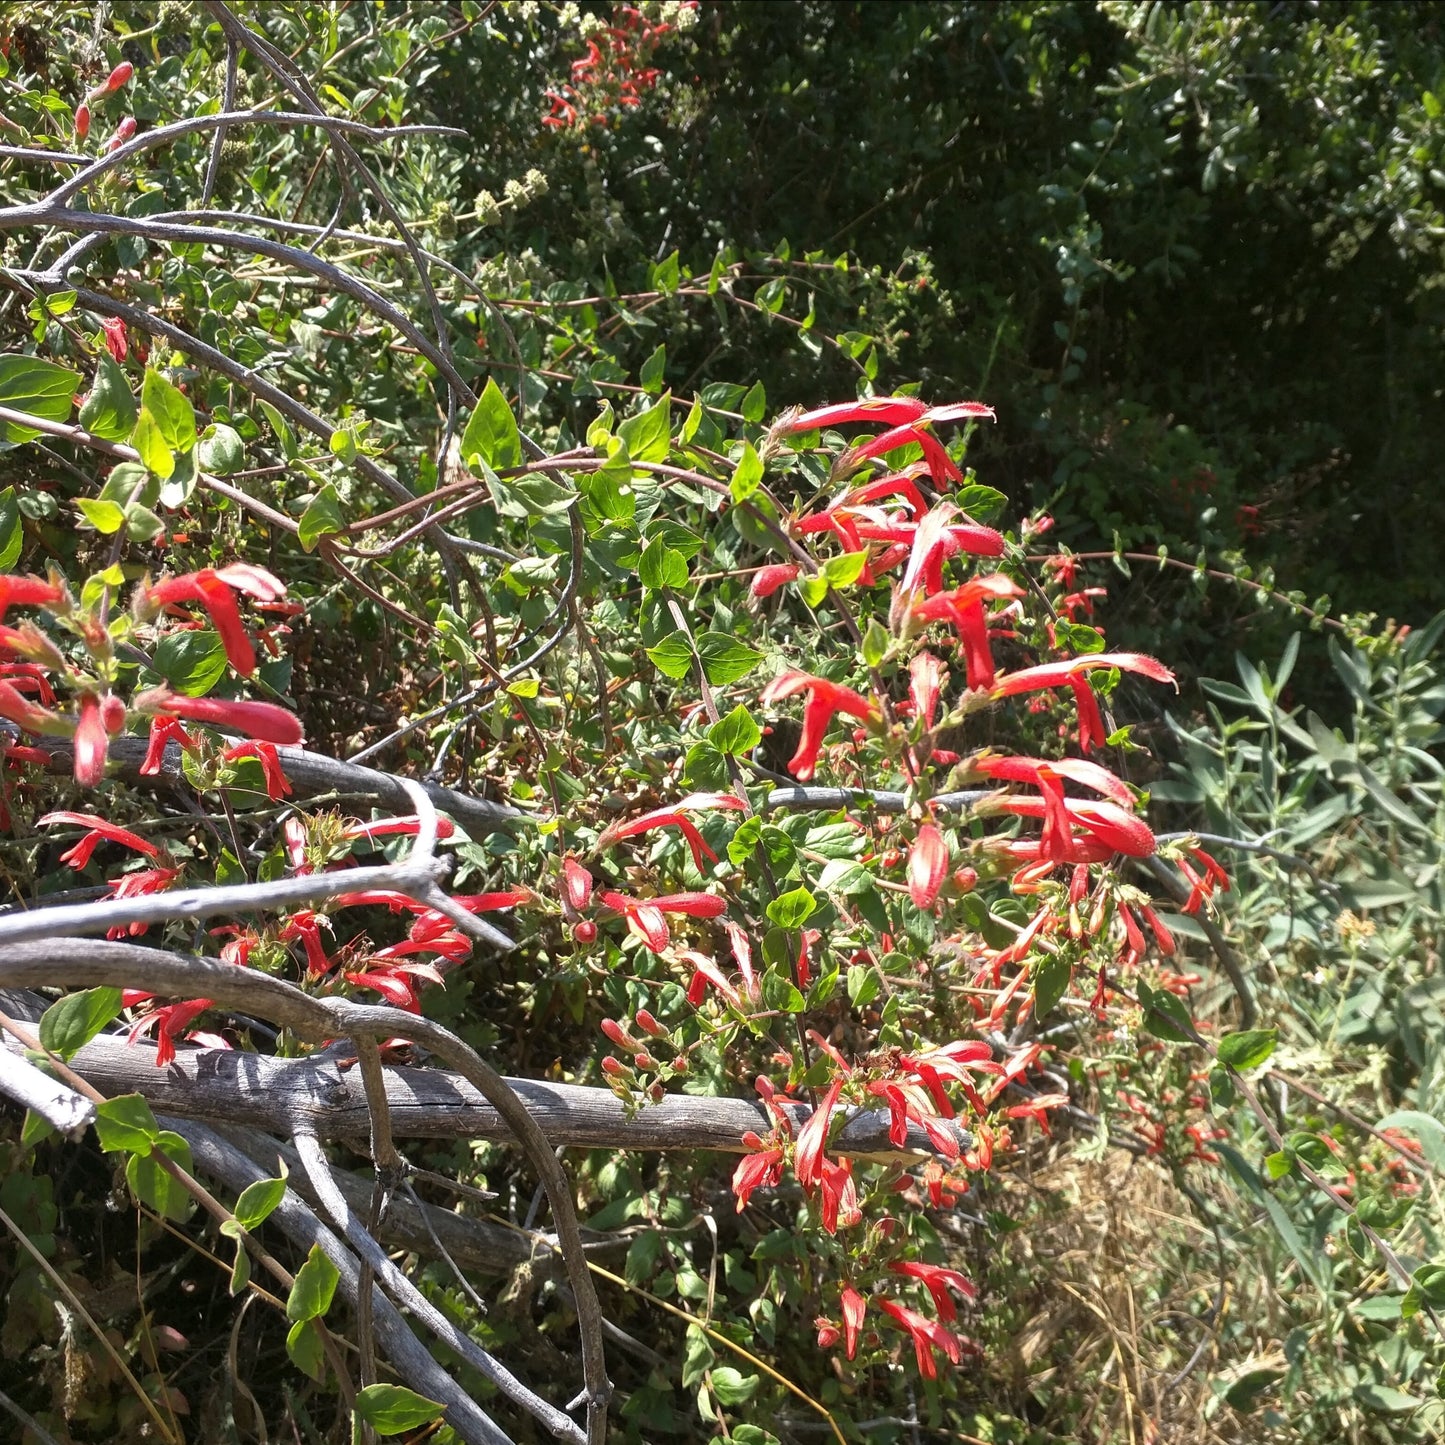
[116, 341]
[164, 730]
[963, 607]
[139, 885]
[306, 925]
[1075, 770]
[388, 827]
[925, 678]
[673, 818]
[576, 884]
[940, 465]
[28, 715]
[1109, 825]
[742, 951]
[927, 1336]
[813, 1138]
[854, 1308]
[707, 972]
[825, 699]
[760, 1169]
[169, 1022]
[936, 539]
[897, 484]
[938, 1281]
[91, 742]
[28, 592]
[927, 866]
[263, 721]
[265, 753]
[118, 77]
[1072, 673]
[888, 410]
[397, 989]
[212, 589]
[100, 830]
[123, 132]
[489, 902]
[828, 1333]
[838, 1195]
[767, 580]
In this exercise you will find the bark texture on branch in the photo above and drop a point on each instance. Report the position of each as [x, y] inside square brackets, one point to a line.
[275, 1095]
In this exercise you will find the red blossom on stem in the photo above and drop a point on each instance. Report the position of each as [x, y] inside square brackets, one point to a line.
[212, 588]
[938, 1281]
[927, 866]
[767, 580]
[21, 591]
[927, 1335]
[761, 1168]
[854, 1308]
[963, 607]
[673, 818]
[263, 721]
[100, 830]
[644, 915]
[164, 730]
[112, 328]
[265, 753]
[825, 700]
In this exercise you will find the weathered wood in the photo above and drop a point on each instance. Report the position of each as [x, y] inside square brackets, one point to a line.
[275, 1095]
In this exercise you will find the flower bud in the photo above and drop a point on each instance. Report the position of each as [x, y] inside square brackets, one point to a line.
[644, 1060]
[123, 132]
[615, 1068]
[649, 1025]
[584, 932]
[616, 1033]
[965, 879]
[118, 77]
[82, 121]
[112, 713]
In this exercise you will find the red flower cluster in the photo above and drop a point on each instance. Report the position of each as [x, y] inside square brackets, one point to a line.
[615, 72]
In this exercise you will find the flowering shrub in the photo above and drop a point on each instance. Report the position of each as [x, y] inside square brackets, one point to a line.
[740, 778]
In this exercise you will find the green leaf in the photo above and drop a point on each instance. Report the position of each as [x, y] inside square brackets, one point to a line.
[390, 1409]
[221, 450]
[725, 659]
[126, 1123]
[599, 432]
[146, 438]
[110, 410]
[661, 566]
[171, 410]
[37, 388]
[1278, 1164]
[284, 435]
[1386, 1399]
[191, 662]
[153, 1185]
[176, 489]
[69, 1024]
[745, 841]
[666, 274]
[845, 570]
[492, 433]
[672, 656]
[12, 530]
[732, 1387]
[1051, 976]
[747, 475]
[754, 405]
[648, 434]
[304, 1346]
[813, 590]
[314, 1287]
[863, 984]
[142, 524]
[258, 1202]
[321, 518]
[1248, 1048]
[653, 371]
[1165, 1015]
[792, 909]
[105, 517]
[240, 1270]
[980, 502]
[875, 643]
[737, 734]
[781, 994]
